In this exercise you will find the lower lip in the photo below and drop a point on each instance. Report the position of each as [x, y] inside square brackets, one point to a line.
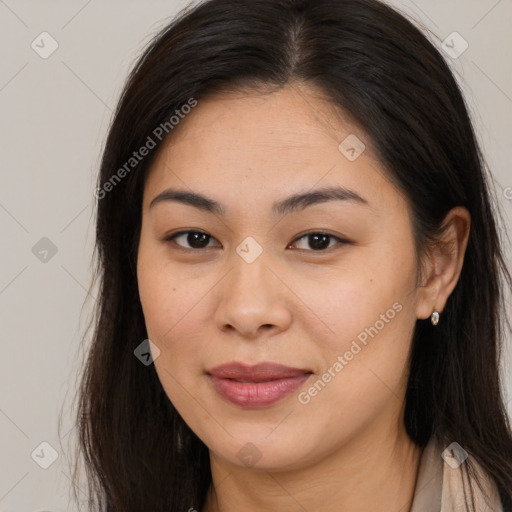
[257, 394]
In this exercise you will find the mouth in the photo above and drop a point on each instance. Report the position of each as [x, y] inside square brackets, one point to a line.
[258, 385]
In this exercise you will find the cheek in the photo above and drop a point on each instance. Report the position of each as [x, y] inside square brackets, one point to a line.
[176, 305]
[172, 310]
[171, 305]
[370, 312]
[369, 293]
[167, 293]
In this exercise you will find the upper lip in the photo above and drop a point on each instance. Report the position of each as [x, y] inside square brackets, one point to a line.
[258, 372]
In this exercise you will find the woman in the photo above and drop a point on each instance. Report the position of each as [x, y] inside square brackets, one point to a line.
[300, 272]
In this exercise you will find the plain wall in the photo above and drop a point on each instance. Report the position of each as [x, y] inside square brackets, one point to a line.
[55, 114]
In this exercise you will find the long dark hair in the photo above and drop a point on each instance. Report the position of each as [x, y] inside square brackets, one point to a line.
[376, 65]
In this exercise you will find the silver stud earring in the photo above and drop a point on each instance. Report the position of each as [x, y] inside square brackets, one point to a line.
[434, 318]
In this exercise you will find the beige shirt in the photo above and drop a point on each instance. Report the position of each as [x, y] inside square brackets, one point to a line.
[444, 484]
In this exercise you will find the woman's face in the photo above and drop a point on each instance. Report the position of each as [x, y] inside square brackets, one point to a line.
[258, 283]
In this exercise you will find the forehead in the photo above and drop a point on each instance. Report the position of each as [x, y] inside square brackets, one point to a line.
[253, 144]
[295, 117]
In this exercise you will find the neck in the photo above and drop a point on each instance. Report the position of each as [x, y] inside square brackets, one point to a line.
[372, 472]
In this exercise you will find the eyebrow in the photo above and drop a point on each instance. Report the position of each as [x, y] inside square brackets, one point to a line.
[290, 204]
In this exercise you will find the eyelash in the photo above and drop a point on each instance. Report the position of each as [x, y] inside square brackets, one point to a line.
[340, 241]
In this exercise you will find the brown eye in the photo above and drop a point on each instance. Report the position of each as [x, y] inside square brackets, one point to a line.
[194, 239]
[319, 241]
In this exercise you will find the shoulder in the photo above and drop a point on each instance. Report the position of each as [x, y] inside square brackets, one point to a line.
[448, 480]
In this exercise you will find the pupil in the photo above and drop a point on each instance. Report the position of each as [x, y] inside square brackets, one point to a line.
[319, 245]
[194, 239]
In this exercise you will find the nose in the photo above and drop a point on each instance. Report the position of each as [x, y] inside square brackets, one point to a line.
[253, 300]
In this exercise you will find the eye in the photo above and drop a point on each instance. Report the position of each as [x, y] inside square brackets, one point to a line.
[195, 239]
[319, 240]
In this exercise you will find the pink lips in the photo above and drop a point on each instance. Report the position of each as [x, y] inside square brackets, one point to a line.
[260, 385]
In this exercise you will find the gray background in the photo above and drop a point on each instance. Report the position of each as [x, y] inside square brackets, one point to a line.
[55, 113]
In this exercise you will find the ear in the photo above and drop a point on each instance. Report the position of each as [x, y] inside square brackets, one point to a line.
[444, 263]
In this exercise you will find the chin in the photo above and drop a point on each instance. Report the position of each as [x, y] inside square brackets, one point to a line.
[264, 449]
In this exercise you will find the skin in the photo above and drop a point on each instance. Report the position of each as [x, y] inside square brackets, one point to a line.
[346, 449]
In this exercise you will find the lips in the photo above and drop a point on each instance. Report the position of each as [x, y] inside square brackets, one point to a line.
[257, 385]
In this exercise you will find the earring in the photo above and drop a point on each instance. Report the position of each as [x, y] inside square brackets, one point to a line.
[435, 317]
